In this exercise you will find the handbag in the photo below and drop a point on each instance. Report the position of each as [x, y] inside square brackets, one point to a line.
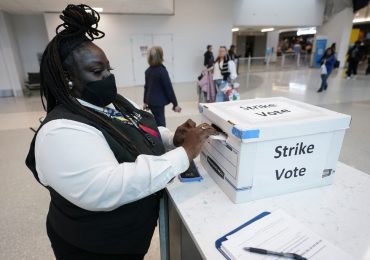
[336, 64]
[233, 92]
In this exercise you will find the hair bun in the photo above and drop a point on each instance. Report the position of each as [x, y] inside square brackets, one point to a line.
[80, 20]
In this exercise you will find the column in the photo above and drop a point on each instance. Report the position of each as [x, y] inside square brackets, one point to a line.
[272, 41]
[11, 67]
[338, 29]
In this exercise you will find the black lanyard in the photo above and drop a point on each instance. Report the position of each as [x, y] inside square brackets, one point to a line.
[134, 118]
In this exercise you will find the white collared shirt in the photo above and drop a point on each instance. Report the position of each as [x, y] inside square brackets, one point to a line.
[76, 161]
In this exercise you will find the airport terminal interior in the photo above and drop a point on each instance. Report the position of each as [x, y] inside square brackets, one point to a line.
[304, 65]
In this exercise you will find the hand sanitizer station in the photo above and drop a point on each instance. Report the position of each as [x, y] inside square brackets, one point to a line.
[273, 146]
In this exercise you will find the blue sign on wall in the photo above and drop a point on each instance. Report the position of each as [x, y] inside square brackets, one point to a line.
[319, 51]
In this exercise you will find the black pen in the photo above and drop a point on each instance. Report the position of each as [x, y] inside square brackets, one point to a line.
[280, 254]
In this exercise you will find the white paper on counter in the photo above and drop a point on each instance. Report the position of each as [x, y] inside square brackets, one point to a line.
[280, 232]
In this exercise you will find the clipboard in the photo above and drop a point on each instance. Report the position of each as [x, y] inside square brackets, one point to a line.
[222, 239]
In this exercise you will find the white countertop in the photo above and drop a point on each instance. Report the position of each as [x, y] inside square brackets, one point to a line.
[339, 212]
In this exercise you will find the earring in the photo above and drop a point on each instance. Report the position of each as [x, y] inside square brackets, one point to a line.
[70, 85]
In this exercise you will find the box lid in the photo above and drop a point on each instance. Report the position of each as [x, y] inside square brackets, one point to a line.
[272, 118]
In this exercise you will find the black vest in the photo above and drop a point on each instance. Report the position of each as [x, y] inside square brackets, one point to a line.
[127, 229]
[224, 69]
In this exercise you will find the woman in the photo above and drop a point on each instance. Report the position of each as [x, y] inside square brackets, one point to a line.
[224, 73]
[330, 61]
[323, 74]
[102, 159]
[158, 90]
[234, 57]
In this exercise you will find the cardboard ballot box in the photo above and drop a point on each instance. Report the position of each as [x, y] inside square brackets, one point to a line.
[273, 146]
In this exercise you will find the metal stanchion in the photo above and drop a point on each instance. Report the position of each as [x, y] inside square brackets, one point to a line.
[268, 62]
[311, 59]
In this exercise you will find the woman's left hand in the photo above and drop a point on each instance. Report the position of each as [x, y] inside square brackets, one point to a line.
[179, 136]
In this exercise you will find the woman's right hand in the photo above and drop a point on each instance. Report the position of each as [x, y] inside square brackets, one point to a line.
[177, 109]
[195, 138]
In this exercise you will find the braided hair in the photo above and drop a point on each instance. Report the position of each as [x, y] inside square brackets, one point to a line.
[80, 25]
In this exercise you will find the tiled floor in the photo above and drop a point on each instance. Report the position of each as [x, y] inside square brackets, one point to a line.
[24, 203]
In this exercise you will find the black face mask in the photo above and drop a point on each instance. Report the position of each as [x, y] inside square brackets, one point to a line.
[101, 92]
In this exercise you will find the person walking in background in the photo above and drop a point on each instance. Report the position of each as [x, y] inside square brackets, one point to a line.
[232, 53]
[208, 57]
[354, 56]
[224, 73]
[207, 92]
[297, 48]
[333, 47]
[324, 76]
[234, 57]
[329, 61]
[158, 90]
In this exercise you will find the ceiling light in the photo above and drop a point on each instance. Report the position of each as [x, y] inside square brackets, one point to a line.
[235, 29]
[361, 20]
[267, 29]
[306, 31]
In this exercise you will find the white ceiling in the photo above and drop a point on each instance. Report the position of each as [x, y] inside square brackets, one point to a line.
[362, 15]
[109, 6]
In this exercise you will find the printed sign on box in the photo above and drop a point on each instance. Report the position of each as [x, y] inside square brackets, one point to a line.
[284, 165]
[262, 112]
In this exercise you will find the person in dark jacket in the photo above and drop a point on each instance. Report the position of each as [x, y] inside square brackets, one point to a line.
[209, 59]
[330, 60]
[234, 57]
[354, 57]
[158, 90]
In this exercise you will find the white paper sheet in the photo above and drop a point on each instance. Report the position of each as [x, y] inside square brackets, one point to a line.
[282, 233]
[220, 137]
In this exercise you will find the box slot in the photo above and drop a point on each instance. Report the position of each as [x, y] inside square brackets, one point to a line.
[218, 129]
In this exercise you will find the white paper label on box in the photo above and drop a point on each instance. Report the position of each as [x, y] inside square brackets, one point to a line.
[269, 111]
[285, 164]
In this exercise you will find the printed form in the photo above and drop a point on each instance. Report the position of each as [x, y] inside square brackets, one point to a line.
[280, 232]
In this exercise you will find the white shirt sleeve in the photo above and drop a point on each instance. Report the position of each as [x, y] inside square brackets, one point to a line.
[76, 161]
[232, 69]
